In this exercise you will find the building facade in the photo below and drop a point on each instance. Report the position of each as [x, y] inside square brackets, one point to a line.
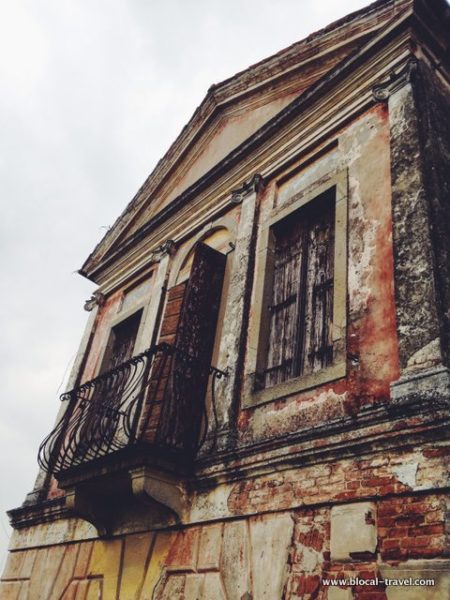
[261, 399]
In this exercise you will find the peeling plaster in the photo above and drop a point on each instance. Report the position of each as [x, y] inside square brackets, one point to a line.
[211, 504]
[362, 231]
[361, 245]
[310, 559]
[426, 357]
[298, 414]
[407, 473]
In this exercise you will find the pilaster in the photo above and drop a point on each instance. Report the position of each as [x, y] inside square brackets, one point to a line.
[419, 311]
[148, 330]
[232, 346]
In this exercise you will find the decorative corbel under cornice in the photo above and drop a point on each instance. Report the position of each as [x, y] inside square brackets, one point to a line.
[165, 248]
[255, 184]
[396, 81]
[97, 299]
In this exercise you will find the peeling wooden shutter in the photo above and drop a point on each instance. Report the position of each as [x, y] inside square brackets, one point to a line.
[300, 314]
[317, 343]
[162, 367]
[172, 313]
[184, 405]
[286, 303]
[197, 326]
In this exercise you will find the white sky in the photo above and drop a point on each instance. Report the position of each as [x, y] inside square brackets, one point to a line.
[92, 93]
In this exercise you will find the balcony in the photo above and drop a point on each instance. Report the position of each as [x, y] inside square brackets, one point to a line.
[133, 432]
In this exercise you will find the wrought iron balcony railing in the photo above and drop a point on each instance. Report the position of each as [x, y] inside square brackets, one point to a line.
[153, 399]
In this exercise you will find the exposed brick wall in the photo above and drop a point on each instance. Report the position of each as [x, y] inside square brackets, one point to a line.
[412, 527]
[278, 556]
[346, 480]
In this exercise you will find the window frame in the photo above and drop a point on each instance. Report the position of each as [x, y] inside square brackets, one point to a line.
[262, 293]
[142, 305]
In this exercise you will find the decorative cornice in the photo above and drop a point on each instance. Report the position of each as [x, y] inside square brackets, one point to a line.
[41, 512]
[255, 184]
[383, 91]
[97, 299]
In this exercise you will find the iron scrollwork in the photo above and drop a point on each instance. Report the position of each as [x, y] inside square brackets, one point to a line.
[145, 400]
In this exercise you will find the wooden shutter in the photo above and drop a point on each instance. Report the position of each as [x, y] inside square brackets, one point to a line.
[182, 408]
[300, 314]
[286, 302]
[162, 366]
[197, 326]
[316, 340]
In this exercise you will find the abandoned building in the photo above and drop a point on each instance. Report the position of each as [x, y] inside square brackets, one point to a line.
[261, 399]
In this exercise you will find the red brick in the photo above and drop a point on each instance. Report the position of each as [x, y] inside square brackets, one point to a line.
[425, 552]
[388, 544]
[386, 522]
[438, 529]
[353, 485]
[393, 554]
[306, 584]
[420, 540]
[389, 509]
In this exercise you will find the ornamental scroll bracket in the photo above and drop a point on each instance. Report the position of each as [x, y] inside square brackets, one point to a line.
[397, 79]
[159, 252]
[255, 184]
[97, 299]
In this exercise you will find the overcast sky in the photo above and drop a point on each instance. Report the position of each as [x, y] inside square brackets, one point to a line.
[92, 93]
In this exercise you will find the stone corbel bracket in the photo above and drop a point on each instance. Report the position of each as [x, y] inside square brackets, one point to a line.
[97, 299]
[166, 248]
[255, 184]
[397, 79]
[165, 496]
[150, 485]
[80, 504]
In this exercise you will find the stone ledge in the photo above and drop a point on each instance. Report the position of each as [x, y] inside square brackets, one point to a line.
[41, 512]
[429, 385]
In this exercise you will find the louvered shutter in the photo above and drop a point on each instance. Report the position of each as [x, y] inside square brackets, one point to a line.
[300, 314]
[286, 303]
[317, 343]
[183, 409]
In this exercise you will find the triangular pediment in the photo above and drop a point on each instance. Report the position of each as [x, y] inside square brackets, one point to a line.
[236, 109]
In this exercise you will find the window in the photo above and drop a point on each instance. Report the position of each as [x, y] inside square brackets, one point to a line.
[297, 328]
[124, 329]
[300, 312]
[121, 342]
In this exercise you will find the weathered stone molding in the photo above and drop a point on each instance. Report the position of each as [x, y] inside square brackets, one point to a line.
[383, 91]
[432, 385]
[151, 317]
[39, 512]
[236, 312]
[417, 302]
[224, 222]
[349, 436]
